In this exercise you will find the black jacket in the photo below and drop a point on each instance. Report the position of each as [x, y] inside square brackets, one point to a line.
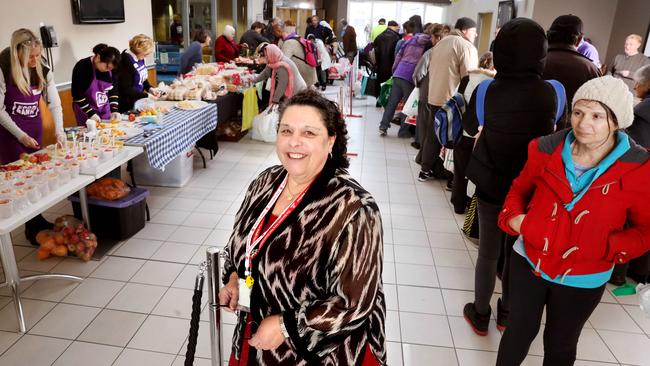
[125, 80]
[252, 39]
[572, 69]
[640, 129]
[519, 106]
[385, 53]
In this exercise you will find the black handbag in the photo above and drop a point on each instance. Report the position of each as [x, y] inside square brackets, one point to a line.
[372, 86]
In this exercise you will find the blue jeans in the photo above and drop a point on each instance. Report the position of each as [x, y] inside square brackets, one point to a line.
[400, 90]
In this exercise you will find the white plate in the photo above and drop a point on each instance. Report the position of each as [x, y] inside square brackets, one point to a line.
[196, 104]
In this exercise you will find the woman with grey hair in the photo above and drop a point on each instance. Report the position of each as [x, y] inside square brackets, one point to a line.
[638, 269]
[640, 129]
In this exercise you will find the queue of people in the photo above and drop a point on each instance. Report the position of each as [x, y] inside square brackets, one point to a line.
[556, 218]
[561, 198]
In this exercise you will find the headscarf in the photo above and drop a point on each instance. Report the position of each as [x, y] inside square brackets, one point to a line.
[274, 60]
[229, 32]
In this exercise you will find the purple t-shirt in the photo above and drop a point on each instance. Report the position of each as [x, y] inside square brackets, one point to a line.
[588, 50]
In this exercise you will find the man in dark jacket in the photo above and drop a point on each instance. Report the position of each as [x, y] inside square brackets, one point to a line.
[253, 37]
[316, 29]
[564, 63]
[384, 46]
[639, 268]
[517, 94]
[349, 40]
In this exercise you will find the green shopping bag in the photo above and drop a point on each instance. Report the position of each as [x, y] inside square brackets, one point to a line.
[385, 92]
[249, 108]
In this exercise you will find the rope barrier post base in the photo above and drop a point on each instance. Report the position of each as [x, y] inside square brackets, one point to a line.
[214, 272]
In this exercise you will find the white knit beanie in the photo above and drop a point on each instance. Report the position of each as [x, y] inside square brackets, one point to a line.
[613, 93]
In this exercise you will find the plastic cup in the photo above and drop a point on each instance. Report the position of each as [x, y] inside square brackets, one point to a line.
[6, 208]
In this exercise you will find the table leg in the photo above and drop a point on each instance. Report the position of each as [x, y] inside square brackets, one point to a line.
[12, 277]
[83, 202]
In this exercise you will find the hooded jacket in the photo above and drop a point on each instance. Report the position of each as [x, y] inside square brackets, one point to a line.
[609, 225]
[385, 53]
[450, 60]
[409, 55]
[519, 106]
[640, 129]
[566, 65]
[417, 21]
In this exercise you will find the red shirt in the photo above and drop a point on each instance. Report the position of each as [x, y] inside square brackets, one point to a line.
[225, 50]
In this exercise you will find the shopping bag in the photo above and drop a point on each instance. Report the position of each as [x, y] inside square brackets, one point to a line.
[411, 104]
[370, 85]
[470, 226]
[447, 156]
[386, 87]
[265, 125]
[249, 108]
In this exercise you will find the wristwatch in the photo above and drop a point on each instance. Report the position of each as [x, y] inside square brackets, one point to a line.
[283, 329]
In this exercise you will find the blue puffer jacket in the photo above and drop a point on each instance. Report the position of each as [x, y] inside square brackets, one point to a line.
[409, 55]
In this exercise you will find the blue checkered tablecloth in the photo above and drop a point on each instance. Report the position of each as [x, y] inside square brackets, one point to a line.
[181, 130]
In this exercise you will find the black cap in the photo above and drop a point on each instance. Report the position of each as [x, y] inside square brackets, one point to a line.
[465, 23]
[567, 23]
[393, 23]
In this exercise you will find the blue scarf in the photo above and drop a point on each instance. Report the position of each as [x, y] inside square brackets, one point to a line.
[580, 185]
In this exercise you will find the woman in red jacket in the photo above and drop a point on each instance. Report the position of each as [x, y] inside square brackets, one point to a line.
[225, 48]
[579, 207]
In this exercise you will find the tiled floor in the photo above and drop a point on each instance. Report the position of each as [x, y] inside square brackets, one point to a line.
[134, 306]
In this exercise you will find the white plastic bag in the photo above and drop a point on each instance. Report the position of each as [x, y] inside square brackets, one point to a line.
[265, 125]
[411, 105]
[643, 291]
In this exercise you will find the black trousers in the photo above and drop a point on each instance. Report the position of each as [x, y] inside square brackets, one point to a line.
[429, 154]
[322, 76]
[567, 311]
[462, 153]
[493, 243]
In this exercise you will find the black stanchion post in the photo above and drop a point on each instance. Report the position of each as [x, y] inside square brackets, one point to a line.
[214, 277]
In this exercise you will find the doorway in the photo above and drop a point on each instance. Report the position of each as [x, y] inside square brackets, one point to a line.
[299, 16]
[484, 30]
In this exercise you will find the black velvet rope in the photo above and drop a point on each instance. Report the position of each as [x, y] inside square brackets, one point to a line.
[194, 327]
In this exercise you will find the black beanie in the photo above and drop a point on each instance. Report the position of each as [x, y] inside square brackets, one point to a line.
[465, 23]
[393, 23]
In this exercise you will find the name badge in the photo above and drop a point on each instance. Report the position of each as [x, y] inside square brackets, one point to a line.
[244, 296]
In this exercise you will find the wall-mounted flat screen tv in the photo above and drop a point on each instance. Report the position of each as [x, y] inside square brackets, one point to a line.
[98, 11]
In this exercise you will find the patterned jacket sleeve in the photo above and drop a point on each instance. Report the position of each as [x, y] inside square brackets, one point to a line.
[229, 262]
[353, 277]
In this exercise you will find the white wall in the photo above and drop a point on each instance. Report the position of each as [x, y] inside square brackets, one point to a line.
[75, 40]
[597, 17]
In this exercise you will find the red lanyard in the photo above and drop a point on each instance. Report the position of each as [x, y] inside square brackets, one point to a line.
[256, 239]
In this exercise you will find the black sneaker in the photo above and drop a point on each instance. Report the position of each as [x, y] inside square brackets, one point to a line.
[450, 185]
[443, 174]
[502, 316]
[396, 120]
[383, 132]
[425, 176]
[415, 145]
[478, 322]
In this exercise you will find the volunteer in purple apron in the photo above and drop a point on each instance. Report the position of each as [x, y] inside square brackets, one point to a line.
[132, 73]
[23, 81]
[93, 93]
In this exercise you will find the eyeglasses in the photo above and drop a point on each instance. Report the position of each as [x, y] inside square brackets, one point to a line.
[31, 42]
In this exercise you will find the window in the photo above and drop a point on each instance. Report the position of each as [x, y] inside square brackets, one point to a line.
[363, 15]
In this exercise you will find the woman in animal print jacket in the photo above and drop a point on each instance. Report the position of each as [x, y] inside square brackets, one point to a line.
[304, 262]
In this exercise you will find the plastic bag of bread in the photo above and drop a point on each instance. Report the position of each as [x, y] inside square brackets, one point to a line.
[194, 94]
[177, 93]
[109, 189]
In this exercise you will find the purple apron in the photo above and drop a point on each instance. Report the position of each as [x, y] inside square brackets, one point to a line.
[141, 73]
[97, 99]
[25, 111]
